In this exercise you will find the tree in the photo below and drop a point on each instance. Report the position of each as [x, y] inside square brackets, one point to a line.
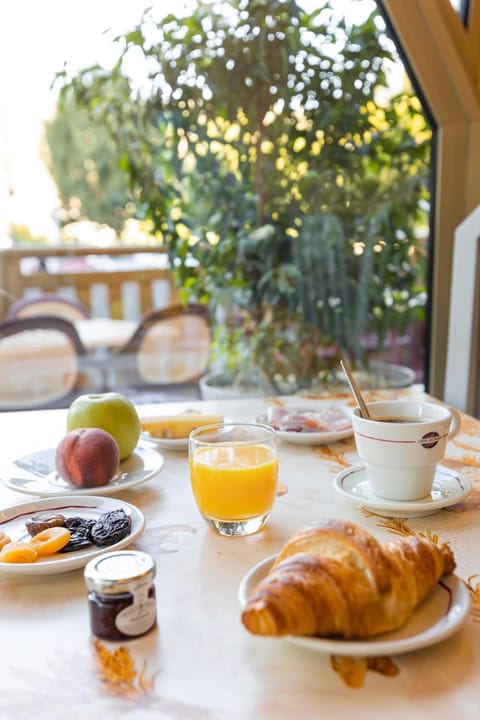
[288, 195]
[83, 161]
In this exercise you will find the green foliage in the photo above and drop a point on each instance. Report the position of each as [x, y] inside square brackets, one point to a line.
[288, 195]
[84, 162]
[22, 235]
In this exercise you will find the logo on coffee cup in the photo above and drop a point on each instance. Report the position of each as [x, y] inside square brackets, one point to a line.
[430, 439]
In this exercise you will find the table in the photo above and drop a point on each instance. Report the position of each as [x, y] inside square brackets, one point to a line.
[107, 333]
[200, 663]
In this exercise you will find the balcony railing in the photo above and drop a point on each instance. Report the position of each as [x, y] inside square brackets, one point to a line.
[129, 281]
[116, 282]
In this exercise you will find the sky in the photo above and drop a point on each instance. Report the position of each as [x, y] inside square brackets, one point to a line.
[37, 37]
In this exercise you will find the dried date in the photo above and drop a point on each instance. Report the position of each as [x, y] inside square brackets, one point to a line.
[41, 522]
[111, 527]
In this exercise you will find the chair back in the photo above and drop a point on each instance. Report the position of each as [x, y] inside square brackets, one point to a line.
[48, 304]
[39, 362]
[170, 347]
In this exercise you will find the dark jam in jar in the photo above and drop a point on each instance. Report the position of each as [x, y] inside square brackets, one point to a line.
[121, 598]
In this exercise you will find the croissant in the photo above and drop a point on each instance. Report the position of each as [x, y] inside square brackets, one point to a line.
[335, 579]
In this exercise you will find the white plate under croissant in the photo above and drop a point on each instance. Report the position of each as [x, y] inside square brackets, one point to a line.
[335, 588]
[440, 615]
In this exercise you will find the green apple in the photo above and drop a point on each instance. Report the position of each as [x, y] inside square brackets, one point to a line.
[111, 412]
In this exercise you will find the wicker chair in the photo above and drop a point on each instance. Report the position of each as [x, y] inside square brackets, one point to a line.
[168, 352]
[47, 304]
[40, 363]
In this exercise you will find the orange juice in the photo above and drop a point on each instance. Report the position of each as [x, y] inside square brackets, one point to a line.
[234, 482]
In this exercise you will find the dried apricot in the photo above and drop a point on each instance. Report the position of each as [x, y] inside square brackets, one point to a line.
[18, 552]
[50, 540]
[4, 540]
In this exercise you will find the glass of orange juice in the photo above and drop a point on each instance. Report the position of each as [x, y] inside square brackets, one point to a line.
[234, 472]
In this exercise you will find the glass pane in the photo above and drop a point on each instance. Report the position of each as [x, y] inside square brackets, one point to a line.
[275, 160]
[462, 8]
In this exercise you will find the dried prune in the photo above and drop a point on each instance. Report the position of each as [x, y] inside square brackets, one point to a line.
[41, 522]
[80, 529]
[76, 542]
[80, 524]
[111, 527]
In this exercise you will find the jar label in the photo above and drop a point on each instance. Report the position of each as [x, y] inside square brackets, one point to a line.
[140, 616]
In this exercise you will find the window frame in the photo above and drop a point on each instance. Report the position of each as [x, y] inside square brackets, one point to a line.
[444, 56]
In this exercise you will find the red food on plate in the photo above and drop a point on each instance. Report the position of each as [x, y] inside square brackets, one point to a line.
[329, 419]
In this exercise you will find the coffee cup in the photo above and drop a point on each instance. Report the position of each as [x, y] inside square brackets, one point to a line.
[401, 444]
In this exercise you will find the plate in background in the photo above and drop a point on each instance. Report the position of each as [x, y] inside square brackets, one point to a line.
[166, 443]
[309, 438]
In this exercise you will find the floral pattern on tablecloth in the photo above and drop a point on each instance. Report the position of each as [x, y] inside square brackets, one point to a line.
[353, 670]
[118, 674]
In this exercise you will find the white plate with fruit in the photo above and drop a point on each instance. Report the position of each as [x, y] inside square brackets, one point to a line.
[99, 454]
[36, 474]
[53, 535]
[171, 432]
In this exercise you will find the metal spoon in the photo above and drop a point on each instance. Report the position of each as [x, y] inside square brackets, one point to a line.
[355, 389]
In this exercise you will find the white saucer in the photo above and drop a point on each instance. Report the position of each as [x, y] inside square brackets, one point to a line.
[439, 616]
[449, 487]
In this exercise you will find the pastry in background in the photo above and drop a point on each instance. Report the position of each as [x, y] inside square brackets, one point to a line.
[176, 427]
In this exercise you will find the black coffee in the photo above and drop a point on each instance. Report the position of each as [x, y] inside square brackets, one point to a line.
[396, 419]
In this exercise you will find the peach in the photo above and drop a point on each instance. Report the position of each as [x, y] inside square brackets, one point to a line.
[87, 457]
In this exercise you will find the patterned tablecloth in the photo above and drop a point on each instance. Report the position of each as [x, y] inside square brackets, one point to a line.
[200, 663]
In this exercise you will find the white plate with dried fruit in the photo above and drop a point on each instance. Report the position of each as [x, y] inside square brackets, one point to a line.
[35, 474]
[95, 524]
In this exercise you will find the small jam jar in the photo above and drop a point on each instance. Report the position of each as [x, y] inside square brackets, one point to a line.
[121, 598]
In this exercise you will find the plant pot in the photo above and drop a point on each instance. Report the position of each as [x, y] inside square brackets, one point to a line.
[214, 386]
[382, 374]
[379, 376]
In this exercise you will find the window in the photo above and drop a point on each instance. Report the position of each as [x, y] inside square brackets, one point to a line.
[461, 6]
[282, 190]
[445, 70]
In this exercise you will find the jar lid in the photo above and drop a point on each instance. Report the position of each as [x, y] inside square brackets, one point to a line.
[112, 572]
